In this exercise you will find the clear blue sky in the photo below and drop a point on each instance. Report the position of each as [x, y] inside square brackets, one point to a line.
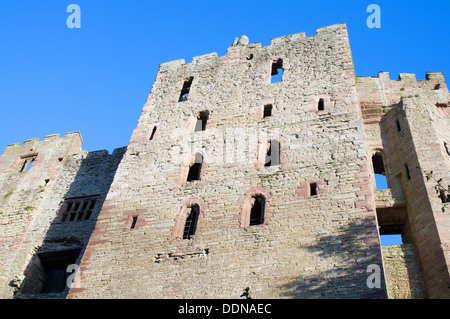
[96, 79]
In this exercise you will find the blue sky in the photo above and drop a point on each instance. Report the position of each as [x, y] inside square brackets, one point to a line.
[95, 79]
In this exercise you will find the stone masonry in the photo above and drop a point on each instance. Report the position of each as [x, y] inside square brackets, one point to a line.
[233, 179]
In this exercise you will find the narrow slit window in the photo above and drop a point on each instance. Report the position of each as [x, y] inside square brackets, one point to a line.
[408, 175]
[153, 133]
[321, 105]
[190, 225]
[273, 153]
[185, 90]
[133, 222]
[379, 171]
[277, 71]
[267, 110]
[202, 119]
[399, 128]
[257, 211]
[195, 168]
[313, 189]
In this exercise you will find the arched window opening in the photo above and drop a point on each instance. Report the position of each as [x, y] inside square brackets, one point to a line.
[257, 211]
[380, 172]
[195, 168]
[191, 222]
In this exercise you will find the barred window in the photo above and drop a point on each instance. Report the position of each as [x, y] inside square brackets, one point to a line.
[78, 208]
[191, 222]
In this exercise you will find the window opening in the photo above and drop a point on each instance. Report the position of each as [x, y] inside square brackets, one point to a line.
[321, 105]
[195, 168]
[399, 128]
[313, 189]
[277, 71]
[55, 266]
[27, 164]
[380, 173]
[191, 222]
[153, 133]
[408, 176]
[200, 124]
[257, 211]
[134, 221]
[273, 153]
[185, 90]
[78, 209]
[391, 225]
[267, 110]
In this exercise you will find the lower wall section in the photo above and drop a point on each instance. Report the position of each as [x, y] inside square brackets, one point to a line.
[403, 273]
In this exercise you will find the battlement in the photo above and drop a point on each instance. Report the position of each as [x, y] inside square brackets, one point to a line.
[378, 92]
[408, 77]
[244, 42]
[69, 136]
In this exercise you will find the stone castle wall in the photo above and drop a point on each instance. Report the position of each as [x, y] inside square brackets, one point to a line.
[323, 215]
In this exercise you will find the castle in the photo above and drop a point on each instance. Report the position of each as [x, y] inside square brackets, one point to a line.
[237, 178]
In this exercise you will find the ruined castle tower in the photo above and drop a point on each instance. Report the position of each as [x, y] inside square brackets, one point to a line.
[254, 169]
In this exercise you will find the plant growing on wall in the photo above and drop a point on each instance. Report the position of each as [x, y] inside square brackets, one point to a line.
[441, 190]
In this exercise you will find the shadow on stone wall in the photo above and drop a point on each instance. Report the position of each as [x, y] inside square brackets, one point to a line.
[348, 277]
[65, 240]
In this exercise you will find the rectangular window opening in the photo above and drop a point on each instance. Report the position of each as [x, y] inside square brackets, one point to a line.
[202, 119]
[55, 266]
[277, 71]
[391, 225]
[273, 153]
[313, 189]
[195, 168]
[267, 110]
[185, 90]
